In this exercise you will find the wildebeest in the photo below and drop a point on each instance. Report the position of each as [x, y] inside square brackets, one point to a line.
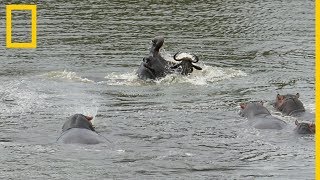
[154, 66]
[186, 64]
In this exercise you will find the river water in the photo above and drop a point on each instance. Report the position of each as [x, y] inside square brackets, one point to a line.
[174, 128]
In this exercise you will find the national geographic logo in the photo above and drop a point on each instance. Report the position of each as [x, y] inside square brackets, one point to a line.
[21, 7]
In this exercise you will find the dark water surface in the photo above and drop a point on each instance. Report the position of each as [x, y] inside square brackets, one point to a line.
[174, 128]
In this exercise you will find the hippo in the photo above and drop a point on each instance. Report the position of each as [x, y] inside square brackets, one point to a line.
[154, 66]
[260, 117]
[78, 129]
[305, 128]
[186, 64]
[290, 105]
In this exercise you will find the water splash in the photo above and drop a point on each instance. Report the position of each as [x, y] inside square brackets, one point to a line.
[310, 107]
[18, 97]
[207, 76]
[129, 79]
[67, 75]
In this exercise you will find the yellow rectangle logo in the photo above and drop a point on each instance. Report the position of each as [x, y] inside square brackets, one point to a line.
[21, 7]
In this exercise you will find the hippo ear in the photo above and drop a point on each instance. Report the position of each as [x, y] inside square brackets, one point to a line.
[242, 105]
[279, 97]
[311, 125]
[261, 102]
[297, 95]
[296, 122]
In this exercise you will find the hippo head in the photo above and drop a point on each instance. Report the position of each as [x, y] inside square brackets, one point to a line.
[305, 128]
[252, 109]
[282, 98]
[186, 63]
[157, 43]
[78, 121]
[288, 103]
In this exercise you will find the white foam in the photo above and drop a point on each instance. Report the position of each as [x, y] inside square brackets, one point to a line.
[129, 79]
[310, 107]
[67, 75]
[121, 151]
[18, 97]
[206, 76]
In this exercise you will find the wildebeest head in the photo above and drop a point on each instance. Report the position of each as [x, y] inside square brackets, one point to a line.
[186, 63]
[305, 128]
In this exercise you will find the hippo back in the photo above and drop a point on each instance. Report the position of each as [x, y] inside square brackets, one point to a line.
[80, 136]
[254, 109]
[151, 68]
[77, 121]
[78, 130]
[268, 122]
[145, 73]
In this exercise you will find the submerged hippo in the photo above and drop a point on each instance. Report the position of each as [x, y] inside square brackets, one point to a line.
[305, 128]
[259, 116]
[78, 129]
[154, 66]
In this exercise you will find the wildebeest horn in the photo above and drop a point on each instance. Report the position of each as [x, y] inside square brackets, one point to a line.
[175, 57]
[196, 59]
[196, 67]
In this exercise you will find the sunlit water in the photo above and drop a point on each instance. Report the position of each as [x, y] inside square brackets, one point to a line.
[172, 128]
